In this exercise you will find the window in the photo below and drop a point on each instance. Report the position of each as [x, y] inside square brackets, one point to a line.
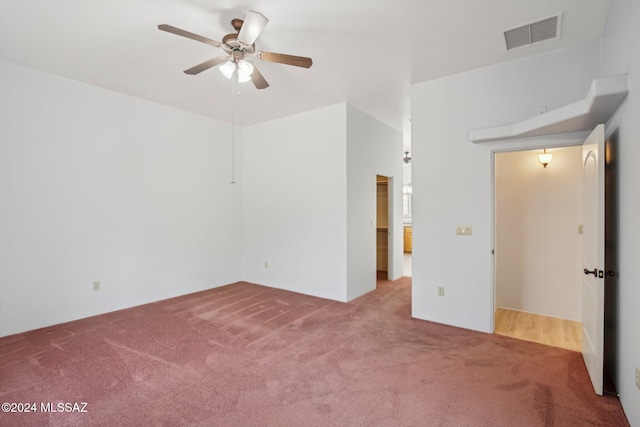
[406, 200]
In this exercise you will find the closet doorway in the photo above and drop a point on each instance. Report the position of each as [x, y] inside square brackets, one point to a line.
[382, 226]
[538, 246]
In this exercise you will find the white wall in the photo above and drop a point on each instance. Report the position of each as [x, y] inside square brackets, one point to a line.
[373, 148]
[99, 186]
[452, 181]
[295, 204]
[406, 146]
[620, 55]
[538, 246]
[309, 199]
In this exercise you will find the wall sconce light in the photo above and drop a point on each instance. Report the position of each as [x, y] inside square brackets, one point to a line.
[545, 158]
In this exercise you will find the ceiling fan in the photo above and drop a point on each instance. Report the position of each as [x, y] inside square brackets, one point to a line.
[238, 46]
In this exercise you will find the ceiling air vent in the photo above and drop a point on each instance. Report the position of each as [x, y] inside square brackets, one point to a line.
[535, 32]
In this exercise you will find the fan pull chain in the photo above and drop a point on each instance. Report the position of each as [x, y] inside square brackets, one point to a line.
[234, 83]
[233, 149]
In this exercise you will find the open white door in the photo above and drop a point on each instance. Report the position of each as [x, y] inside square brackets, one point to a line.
[593, 257]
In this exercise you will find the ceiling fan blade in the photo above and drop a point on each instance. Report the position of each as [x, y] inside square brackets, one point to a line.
[187, 34]
[281, 58]
[206, 65]
[258, 80]
[253, 25]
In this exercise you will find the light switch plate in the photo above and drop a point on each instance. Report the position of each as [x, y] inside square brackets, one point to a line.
[463, 230]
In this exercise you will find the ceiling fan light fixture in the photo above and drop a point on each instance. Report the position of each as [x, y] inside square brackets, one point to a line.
[228, 68]
[243, 78]
[245, 69]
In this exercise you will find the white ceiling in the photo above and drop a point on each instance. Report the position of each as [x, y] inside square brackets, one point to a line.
[366, 52]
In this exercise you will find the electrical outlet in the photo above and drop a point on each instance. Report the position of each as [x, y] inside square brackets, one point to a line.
[96, 285]
[638, 377]
[463, 230]
[440, 291]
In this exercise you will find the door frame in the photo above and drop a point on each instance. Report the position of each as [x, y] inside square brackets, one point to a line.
[391, 232]
[611, 231]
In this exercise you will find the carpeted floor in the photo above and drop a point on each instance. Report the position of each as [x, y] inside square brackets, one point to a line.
[247, 355]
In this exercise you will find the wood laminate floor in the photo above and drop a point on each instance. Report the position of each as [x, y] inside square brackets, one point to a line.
[541, 329]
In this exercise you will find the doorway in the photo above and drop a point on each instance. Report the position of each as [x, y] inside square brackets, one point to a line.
[599, 234]
[538, 246]
[407, 193]
[383, 211]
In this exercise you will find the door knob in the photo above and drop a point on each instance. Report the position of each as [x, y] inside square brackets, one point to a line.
[594, 272]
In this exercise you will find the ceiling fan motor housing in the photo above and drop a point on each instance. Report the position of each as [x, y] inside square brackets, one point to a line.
[231, 44]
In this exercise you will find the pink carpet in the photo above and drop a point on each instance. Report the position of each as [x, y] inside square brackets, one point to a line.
[247, 355]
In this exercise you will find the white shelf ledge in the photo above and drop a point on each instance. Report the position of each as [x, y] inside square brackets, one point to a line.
[602, 100]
